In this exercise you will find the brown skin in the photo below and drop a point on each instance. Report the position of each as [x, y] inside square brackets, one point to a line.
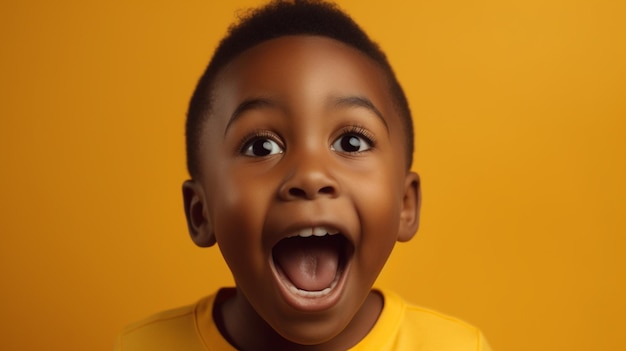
[247, 202]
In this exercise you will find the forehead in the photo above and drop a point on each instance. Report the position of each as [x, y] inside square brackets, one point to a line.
[302, 72]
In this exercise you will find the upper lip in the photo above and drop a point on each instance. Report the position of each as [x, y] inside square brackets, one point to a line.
[294, 228]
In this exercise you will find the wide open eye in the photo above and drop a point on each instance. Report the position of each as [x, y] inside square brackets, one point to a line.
[261, 146]
[351, 143]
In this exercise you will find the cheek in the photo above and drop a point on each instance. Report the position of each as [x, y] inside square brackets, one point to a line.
[380, 231]
[238, 210]
[379, 204]
[237, 200]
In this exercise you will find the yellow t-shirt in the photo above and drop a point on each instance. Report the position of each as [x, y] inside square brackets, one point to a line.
[399, 327]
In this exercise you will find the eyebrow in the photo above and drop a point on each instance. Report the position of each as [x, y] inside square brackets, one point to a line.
[247, 105]
[360, 101]
[342, 101]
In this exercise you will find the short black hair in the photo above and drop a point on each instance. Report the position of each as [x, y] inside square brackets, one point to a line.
[284, 18]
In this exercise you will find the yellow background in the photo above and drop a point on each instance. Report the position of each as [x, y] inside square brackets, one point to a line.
[519, 108]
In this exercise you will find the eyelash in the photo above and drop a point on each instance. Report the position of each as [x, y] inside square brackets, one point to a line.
[360, 131]
[355, 129]
[257, 134]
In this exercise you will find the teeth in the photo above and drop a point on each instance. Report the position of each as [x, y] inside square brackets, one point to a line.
[305, 233]
[308, 293]
[317, 231]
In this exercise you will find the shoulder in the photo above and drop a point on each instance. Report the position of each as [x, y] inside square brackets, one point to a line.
[418, 328]
[442, 331]
[174, 329]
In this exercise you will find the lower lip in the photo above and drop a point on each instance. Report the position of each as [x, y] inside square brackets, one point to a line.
[310, 301]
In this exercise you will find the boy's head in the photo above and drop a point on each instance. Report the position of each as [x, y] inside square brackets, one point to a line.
[284, 18]
[299, 147]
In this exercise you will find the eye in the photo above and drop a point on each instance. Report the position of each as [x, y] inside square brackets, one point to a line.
[351, 143]
[260, 147]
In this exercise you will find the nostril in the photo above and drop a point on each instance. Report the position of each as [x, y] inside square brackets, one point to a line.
[300, 193]
[297, 192]
[327, 190]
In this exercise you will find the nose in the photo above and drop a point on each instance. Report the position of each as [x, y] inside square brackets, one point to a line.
[309, 179]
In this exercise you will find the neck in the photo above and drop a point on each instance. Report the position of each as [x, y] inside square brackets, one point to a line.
[244, 328]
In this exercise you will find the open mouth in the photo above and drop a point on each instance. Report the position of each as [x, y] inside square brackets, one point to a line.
[311, 263]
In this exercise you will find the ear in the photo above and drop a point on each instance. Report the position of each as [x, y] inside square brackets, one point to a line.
[411, 203]
[196, 211]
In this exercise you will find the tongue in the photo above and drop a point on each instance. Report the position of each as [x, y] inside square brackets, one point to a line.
[310, 263]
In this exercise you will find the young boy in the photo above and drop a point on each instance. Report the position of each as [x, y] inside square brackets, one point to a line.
[299, 147]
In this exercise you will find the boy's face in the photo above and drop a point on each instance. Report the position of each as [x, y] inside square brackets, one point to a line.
[303, 138]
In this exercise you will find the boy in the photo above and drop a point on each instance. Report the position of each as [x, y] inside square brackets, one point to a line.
[299, 147]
